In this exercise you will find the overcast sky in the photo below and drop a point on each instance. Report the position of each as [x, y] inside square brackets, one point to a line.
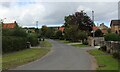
[52, 13]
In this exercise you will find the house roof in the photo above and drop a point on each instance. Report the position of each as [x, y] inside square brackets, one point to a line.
[9, 25]
[104, 31]
[115, 22]
[95, 28]
[61, 28]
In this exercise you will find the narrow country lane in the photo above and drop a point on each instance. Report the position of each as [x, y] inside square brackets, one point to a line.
[62, 57]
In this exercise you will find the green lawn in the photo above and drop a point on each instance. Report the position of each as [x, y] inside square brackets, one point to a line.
[45, 44]
[106, 61]
[12, 60]
[66, 42]
[80, 45]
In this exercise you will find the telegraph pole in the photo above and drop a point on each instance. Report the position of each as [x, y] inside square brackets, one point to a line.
[93, 16]
[93, 26]
[37, 24]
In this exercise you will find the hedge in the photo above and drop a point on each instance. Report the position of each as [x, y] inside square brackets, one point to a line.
[12, 43]
[112, 37]
[33, 39]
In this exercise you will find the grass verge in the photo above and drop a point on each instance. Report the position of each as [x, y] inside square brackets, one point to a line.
[104, 60]
[80, 45]
[12, 60]
[64, 41]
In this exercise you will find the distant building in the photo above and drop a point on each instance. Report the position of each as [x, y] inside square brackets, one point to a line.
[61, 29]
[30, 30]
[103, 28]
[9, 25]
[115, 26]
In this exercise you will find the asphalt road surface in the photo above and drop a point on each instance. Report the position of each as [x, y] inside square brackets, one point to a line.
[62, 57]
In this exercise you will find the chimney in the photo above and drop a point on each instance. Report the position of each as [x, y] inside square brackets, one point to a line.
[15, 22]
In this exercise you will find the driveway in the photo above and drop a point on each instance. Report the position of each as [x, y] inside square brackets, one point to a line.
[62, 57]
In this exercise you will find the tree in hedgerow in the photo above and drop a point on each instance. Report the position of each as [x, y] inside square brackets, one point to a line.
[44, 30]
[50, 33]
[58, 34]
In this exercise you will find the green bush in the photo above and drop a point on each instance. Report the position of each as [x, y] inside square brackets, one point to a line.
[85, 42]
[98, 33]
[12, 43]
[14, 32]
[103, 48]
[112, 37]
[116, 55]
[33, 39]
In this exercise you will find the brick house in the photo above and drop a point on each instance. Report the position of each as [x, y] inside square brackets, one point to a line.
[9, 25]
[115, 26]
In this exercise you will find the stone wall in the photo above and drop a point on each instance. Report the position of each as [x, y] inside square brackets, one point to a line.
[95, 41]
[111, 46]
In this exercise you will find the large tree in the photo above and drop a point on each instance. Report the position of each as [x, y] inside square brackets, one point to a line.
[81, 19]
[75, 23]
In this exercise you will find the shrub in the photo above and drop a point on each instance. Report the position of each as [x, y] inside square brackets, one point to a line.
[116, 55]
[112, 37]
[103, 48]
[85, 42]
[12, 43]
[33, 39]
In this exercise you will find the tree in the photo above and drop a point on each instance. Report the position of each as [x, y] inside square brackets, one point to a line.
[50, 33]
[81, 20]
[44, 30]
[74, 23]
[98, 33]
[58, 34]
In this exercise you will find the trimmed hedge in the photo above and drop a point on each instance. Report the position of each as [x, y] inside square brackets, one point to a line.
[112, 37]
[12, 43]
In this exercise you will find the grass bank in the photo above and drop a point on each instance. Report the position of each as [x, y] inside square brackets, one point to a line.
[15, 59]
[64, 41]
[80, 45]
[74, 44]
[104, 60]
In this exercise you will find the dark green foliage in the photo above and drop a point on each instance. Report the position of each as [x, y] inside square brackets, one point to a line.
[112, 37]
[80, 19]
[98, 33]
[103, 48]
[77, 26]
[14, 32]
[7, 32]
[12, 43]
[44, 30]
[116, 55]
[16, 39]
[19, 32]
[74, 35]
[58, 35]
[33, 39]
[50, 33]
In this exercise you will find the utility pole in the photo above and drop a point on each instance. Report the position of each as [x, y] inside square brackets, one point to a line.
[37, 24]
[93, 16]
[93, 26]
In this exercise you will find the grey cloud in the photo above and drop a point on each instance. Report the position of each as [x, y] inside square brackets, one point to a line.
[54, 12]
